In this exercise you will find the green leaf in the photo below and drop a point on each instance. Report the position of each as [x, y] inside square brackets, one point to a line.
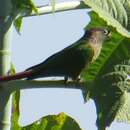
[113, 52]
[18, 24]
[54, 122]
[124, 84]
[115, 12]
[107, 101]
[105, 79]
[112, 96]
[19, 8]
[33, 7]
[12, 69]
[123, 115]
[51, 122]
[21, 5]
[15, 111]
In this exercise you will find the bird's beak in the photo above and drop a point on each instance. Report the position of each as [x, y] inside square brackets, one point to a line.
[109, 35]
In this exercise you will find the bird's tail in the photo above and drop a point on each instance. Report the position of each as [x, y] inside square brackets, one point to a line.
[16, 76]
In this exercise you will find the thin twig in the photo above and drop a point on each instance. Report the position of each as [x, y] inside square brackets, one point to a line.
[59, 7]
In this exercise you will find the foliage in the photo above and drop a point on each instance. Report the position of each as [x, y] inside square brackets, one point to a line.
[54, 122]
[112, 96]
[50, 122]
[107, 80]
[109, 95]
[15, 111]
[19, 8]
[24, 7]
[115, 12]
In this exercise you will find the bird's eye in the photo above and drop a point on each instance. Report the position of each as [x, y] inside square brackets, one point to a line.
[106, 32]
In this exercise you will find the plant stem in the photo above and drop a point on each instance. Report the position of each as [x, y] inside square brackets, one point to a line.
[60, 7]
[5, 39]
[25, 84]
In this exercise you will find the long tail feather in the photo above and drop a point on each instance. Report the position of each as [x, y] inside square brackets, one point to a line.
[20, 75]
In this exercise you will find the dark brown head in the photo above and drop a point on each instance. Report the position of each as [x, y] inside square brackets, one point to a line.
[97, 35]
[95, 38]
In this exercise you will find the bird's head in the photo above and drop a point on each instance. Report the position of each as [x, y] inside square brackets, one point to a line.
[95, 38]
[97, 35]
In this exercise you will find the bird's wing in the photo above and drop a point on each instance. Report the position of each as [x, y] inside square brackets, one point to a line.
[57, 56]
[61, 63]
[53, 60]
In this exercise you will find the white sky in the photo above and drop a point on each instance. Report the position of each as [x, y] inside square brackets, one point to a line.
[42, 36]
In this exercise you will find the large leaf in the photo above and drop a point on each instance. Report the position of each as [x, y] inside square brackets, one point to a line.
[115, 12]
[113, 52]
[51, 122]
[54, 122]
[112, 96]
[109, 95]
[123, 114]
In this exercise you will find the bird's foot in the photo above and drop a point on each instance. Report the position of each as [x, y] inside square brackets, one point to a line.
[77, 79]
[74, 80]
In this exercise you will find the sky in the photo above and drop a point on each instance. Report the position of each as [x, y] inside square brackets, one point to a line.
[42, 36]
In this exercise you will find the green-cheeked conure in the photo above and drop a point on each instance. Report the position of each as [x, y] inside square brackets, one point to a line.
[69, 62]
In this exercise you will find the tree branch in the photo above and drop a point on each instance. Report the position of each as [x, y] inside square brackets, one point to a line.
[25, 84]
[5, 41]
[60, 7]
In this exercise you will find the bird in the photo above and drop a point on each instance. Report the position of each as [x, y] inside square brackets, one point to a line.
[71, 61]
